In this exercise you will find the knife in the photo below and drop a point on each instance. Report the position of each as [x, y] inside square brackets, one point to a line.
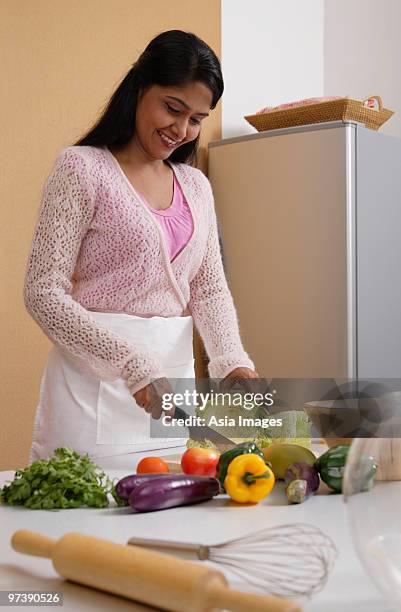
[201, 433]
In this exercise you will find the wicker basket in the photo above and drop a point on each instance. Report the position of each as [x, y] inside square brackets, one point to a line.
[343, 109]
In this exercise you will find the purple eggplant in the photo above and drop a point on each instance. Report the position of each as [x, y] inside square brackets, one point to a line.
[303, 471]
[126, 485]
[160, 493]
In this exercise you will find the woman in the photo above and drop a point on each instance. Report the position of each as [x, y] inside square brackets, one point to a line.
[125, 257]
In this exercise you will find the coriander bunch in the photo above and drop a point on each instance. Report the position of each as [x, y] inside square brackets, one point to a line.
[67, 480]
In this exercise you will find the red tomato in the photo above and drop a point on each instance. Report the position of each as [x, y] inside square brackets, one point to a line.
[152, 465]
[200, 461]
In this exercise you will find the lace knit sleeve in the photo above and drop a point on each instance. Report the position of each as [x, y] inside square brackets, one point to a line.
[65, 214]
[212, 307]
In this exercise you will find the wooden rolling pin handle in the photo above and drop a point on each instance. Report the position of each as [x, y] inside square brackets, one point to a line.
[30, 543]
[236, 601]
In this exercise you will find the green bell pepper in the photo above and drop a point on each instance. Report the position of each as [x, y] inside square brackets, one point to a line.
[331, 466]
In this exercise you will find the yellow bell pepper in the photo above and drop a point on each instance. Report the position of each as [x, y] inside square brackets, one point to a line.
[248, 479]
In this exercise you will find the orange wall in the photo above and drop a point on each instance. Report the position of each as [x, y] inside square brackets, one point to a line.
[61, 62]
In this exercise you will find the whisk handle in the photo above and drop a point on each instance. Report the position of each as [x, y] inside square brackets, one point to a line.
[218, 596]
[183, 549]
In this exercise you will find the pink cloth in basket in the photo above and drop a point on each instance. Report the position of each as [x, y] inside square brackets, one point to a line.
[305, 101]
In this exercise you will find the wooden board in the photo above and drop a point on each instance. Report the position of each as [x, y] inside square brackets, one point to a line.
[174, 463]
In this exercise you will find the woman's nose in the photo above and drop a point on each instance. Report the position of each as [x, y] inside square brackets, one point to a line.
[180, 128]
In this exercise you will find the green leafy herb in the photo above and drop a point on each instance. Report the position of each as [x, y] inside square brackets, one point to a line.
[67, 480]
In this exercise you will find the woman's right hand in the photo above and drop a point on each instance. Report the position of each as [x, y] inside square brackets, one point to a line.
[150, 398]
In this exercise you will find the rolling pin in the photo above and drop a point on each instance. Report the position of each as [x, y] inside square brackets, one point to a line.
[156, 579]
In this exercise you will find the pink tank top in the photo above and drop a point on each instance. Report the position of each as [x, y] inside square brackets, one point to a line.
[176, 221]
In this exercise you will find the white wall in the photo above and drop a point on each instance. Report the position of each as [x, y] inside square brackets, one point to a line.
[362, 52]
[272, 52]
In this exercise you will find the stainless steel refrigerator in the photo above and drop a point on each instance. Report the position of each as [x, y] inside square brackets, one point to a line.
[310, 221]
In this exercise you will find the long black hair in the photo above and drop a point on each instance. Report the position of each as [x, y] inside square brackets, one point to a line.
[173, 58]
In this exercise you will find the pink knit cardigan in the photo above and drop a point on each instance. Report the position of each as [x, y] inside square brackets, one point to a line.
[97, 247]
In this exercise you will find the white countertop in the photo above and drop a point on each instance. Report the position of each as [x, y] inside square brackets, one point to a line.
[349, 589]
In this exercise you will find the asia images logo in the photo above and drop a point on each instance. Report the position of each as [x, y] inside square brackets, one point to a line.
[248, 401]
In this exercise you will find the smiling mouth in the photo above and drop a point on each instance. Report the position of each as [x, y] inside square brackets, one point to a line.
[168, 142]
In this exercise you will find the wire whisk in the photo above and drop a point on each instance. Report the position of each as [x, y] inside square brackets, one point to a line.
[291, 560]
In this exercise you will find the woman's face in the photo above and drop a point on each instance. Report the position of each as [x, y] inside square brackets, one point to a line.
[168, 117]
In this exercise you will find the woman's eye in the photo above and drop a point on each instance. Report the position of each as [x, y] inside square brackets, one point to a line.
[172, 110]
[177, 111]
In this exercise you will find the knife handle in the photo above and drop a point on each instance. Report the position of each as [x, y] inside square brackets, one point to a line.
[179, 413]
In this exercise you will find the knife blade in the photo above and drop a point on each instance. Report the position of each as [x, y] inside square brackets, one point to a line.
[201, 433]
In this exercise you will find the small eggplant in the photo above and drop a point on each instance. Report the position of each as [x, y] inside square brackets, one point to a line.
[297, 491]
[160, 493]
[303, 471]
[126, 485]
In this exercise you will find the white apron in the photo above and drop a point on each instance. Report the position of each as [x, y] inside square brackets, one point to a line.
[102, 418]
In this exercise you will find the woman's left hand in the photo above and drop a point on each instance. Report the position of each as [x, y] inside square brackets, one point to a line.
[243, 376]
